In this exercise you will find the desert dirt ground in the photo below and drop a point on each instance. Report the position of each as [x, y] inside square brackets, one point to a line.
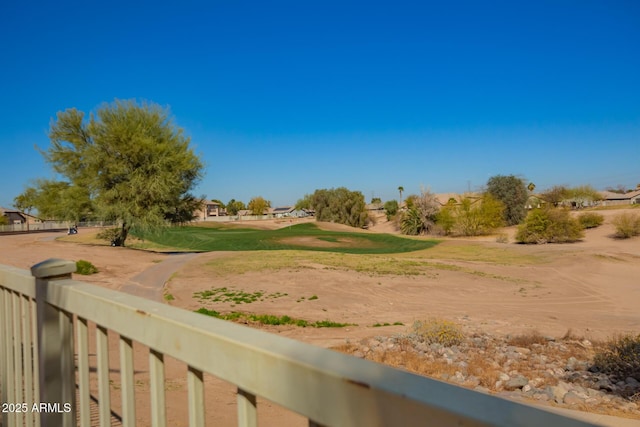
[591, 288]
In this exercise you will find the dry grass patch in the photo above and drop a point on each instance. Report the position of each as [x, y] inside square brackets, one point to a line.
[477, 252]
[620, 357]
[482, 367]
[527, 340]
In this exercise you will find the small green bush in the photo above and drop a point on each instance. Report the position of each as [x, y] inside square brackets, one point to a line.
[627, 225]
[621, 357]
[391, 209]
[437, 331]
[549, 225]
[85, 268]
[590, 220]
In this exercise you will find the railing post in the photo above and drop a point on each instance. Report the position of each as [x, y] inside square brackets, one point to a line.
[55, 346]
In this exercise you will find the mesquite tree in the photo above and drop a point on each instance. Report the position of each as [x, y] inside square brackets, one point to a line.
[130, 162]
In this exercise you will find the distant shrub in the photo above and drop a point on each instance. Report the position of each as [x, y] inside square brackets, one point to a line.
[420, 217]
[109, 234]
[85, 268]
[549, 225]
[391, 209]
[411, 223]
[590, 220]
[471, 216]
[371, 220]
[621, 357]
[437, 331]
[446, 218]
[627, 225]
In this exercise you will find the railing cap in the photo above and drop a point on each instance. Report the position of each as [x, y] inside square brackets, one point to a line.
[53, 267]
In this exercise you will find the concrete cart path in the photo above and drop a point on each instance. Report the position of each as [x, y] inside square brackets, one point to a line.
[150, 283]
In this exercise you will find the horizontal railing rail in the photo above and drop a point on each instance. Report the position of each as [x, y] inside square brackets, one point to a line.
[327, 387]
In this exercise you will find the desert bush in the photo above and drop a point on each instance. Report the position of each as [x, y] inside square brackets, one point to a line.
[590, 220]
[470, 216]
[446, 218]
[85, 267]
[391, 209]
[109, 234]
[372, 219]
[627, 225]
[438, 331]
[620, 357]
[549, 225]
[420, 218]
[475, 218]
[411, 223]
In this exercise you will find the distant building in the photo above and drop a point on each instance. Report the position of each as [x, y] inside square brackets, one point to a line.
[209, 209]
[281, 212]
[612, 199]
[14, 216]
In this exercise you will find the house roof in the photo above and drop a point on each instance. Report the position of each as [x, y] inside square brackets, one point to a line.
[282, 209]
[5, 210]
[609, 195]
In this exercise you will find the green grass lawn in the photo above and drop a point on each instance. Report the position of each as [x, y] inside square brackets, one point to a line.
[300, 237]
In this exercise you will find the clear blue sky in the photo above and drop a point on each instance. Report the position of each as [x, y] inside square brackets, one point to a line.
[282, 98]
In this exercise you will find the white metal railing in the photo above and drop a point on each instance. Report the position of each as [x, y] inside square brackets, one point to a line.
[42, 310]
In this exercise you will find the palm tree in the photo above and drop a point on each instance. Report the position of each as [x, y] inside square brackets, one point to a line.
[400, 189]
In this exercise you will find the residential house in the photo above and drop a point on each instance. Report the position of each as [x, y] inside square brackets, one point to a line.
[281, 212]
[14, 216]
[209, 209]
[612, 199]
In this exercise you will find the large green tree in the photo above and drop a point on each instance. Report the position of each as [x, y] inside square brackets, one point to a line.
[512, 192]
[555, 195]
[134, 164]
[234, 206]
[583, 195]
[59, 200]
[340, 205]
[258, 205]
[305, 203]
